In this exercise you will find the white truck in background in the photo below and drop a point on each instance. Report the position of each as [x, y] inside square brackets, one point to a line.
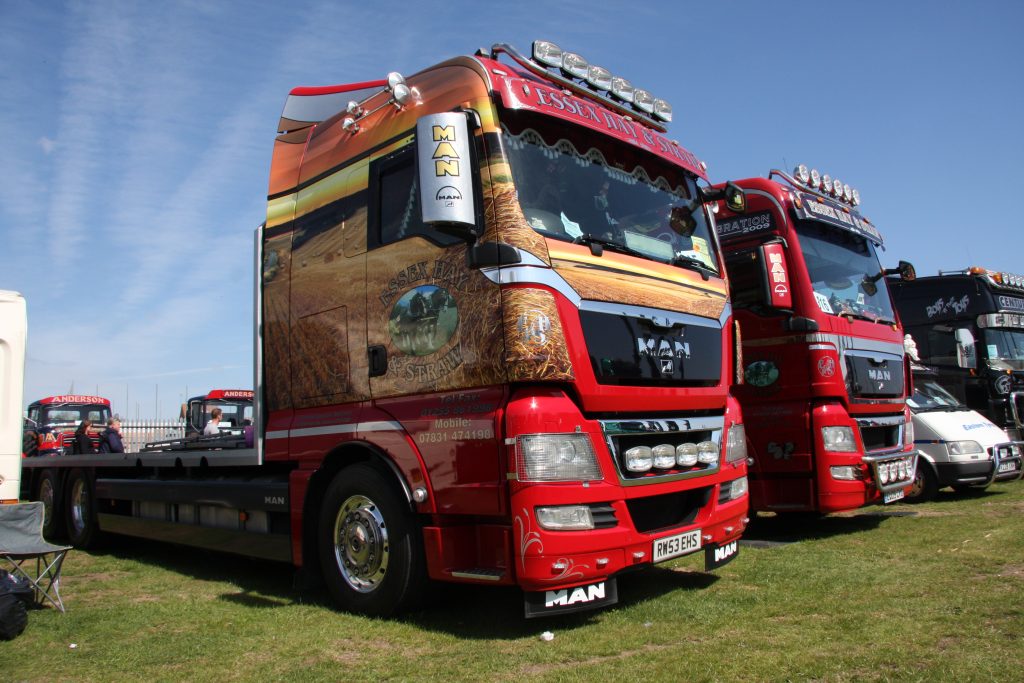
[13, 338]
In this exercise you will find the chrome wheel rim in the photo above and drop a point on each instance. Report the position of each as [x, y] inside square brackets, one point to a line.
[361, 546]
[918, 485]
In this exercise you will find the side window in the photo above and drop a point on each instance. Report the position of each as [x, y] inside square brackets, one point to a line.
[397, 202]
[941, 345]
[746, 281]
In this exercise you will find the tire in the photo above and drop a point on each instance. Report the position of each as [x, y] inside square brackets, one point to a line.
[48, 492]
[80, 510]
[926, 483]
[370, 545]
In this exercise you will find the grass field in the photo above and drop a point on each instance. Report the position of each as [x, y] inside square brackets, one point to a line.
[927, 592]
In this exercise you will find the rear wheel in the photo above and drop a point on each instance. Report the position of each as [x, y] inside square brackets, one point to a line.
[926, 483]
[80, 510]
[371, 548]
[48, 492]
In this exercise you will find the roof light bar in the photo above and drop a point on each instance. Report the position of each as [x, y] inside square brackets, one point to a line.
[826, 185]
[599, 79]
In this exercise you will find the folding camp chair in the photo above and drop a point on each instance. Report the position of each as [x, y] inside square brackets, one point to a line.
[21, 541]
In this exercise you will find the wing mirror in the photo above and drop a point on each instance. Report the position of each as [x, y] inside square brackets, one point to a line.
[905, 270]
[732, 194]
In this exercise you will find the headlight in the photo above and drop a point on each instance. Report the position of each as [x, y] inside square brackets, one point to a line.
[565, 517]
[736, 444]
[839, 439]
[707, 452]
[664, 456]
[963, 447]
[557, 457]
[639, 458]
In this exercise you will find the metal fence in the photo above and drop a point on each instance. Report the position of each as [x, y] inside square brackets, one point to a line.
[137, 433]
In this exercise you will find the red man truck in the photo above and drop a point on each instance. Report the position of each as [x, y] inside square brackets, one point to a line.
[826, 377]
[494, 346]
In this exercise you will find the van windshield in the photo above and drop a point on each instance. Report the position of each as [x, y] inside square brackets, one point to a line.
[929, 396]
[570, 190]
[841, 266]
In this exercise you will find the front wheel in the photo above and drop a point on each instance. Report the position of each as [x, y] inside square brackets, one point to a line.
[926, 483]
[371, 547]
[80, 510]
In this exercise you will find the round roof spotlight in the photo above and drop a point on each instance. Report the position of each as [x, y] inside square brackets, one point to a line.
[395, 78]
[802, 174]
[574, 65]
[815, 178]
[847, 193]
[547, 53]
[837, 188]
[599, 77]
[622, 89]
[855, 197]
[826, 183]
[643, 100]
[663, 110]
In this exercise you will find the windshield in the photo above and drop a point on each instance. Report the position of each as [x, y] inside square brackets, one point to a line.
[98, 415]
[929, 396]
[572, 191]
[1005, 349]
[841, 265]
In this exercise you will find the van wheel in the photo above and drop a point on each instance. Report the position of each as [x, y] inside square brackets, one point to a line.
[371, 547]
[80, 510]
[48, 492]
[926, 483]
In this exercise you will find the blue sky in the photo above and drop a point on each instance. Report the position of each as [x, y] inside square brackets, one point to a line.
[137, 139]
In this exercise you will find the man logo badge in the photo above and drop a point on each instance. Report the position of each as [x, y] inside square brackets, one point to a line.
[717, 556]
[667, 367]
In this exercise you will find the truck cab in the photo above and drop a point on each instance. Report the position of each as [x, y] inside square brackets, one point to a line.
[969, 326]
[236, 407]
[825, 378]
[51, 422]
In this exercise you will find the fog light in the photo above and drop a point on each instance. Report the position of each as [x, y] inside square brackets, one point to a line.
[901, 471]
[664, 456]
[639, 459]
[565, 517]
[845, 472]
[739, 488]
[686, 454]
[883, 473]
[707, 452]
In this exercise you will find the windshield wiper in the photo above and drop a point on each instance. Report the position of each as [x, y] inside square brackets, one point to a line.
[594, 241]
[694, 264]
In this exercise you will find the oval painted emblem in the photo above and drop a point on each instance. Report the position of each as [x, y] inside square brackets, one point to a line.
[761, 373]
[423, 320]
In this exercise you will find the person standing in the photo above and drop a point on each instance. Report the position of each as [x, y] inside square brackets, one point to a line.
[110, 439]
[83, 442]
[212, 427]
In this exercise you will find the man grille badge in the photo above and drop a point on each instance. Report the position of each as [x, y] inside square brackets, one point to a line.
[667, 366]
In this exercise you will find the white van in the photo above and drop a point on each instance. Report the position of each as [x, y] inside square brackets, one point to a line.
[958, 447]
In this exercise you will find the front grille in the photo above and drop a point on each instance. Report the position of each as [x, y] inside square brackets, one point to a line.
[882, 433]
[621, 435]
[669, 510]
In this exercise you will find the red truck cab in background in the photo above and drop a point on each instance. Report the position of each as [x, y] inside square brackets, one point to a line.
[52, 421]
[235, 404]
[825, 373]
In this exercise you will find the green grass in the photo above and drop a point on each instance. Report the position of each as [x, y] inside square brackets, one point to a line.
[928, 592]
